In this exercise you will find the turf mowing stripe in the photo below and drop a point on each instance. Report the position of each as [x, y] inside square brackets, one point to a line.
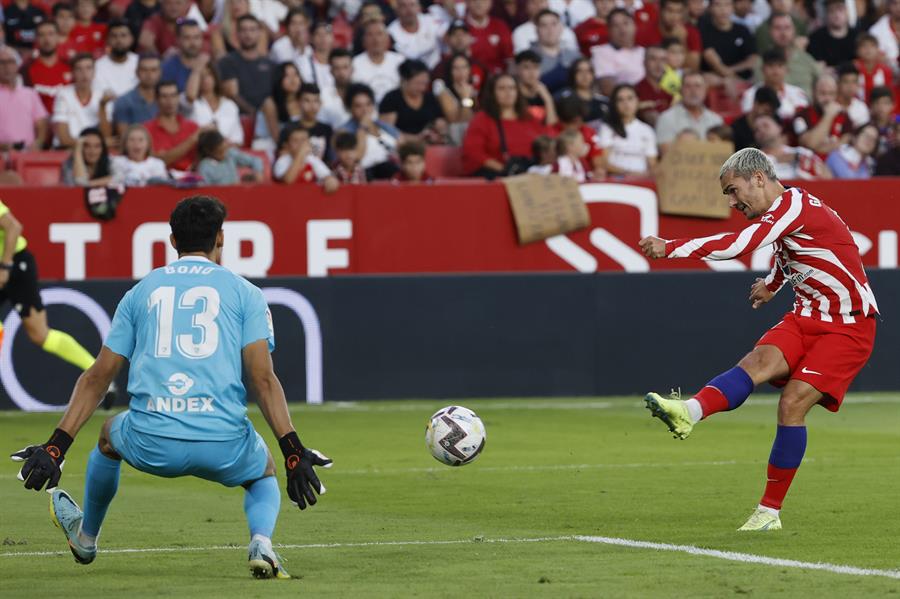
[748, 558]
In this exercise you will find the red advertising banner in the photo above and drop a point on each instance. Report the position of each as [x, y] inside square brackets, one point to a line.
[381, 229]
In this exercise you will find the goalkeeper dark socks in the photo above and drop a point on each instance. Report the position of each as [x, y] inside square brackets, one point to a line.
[99, 490]
[262, 500]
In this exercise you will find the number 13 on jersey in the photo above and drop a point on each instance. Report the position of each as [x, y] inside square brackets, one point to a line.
[203, 323]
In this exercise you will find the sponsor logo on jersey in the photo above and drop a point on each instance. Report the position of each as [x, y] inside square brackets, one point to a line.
[180, 404]
[179, 384]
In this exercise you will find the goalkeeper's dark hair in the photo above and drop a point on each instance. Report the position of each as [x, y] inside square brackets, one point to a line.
[196, 222]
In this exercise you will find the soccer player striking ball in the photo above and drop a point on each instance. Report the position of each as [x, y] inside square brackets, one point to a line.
[186, 329]
[816, 350]
[19, 285]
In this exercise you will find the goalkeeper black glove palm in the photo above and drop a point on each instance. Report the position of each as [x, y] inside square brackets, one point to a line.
[43, 463]
[301, 476]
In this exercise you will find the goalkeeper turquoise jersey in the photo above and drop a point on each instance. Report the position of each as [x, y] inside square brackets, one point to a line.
[182, 328]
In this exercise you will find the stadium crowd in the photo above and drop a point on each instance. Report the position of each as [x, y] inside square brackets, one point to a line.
[139, 92]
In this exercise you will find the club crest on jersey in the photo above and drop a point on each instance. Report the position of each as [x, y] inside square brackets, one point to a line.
[768, 218]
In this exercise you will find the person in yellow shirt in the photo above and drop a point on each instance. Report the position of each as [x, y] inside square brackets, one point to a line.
[19, 285]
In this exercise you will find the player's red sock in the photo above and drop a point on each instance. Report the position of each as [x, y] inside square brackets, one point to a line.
[787, 453]
[778, 481]
[711, 400]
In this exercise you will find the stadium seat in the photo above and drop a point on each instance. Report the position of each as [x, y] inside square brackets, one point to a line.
[443, 161]
[248, 123]
[40, 168]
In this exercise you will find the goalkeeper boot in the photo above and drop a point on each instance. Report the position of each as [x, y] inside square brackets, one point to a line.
[67, 516]
[762, 520]
[264, 562]
[671, 411]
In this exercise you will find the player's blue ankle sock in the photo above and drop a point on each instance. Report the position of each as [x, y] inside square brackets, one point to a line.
[99, 490]
[787, 453]
[262, 501]
[725, 392]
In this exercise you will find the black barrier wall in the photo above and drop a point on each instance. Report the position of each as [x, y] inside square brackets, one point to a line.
[356, 338]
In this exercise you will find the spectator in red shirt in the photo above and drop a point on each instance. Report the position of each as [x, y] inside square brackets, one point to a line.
[485, 153]
[492, 45]
[48, 73]
[158, 32]
[652, 99]
[87, 36]
[645, 14]
[174, 137]
[823, 126]
[872, 70]
[594, 31]
[64, 17]
[673, 23]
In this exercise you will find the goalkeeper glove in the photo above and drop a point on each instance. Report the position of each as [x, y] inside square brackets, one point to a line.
[301, 477]
[43, 463]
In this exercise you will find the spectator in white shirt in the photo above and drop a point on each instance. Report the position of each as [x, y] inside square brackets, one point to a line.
[116, 71]
[416, 36]
[377, 66]
[525, 35]
[270, 13]
[316, 68]
[205, 104]
[885, 31]
[334, 111]
[619, 61]
[79, 106]
[774, 72]
[294, 45]
[689, 114]
[629, 145]
[848, 92]
[137, 168]
[573, 12]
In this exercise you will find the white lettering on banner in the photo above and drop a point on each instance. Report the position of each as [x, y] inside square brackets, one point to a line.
[142, 241]
[319, 257]
[887, 249]
[74, 236]
[257, 264]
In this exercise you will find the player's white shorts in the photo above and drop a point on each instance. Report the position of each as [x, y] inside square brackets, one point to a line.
[230, 463]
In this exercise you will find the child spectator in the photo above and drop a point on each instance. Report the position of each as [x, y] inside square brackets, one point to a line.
[571, 118]
[87, 36]
[570, 151]
[347, 167]
[543, 152]
[412, 164]
[883, 116]
[219, 161]
[296, 162]
[676, 54]
[137, 167]
[872, 70]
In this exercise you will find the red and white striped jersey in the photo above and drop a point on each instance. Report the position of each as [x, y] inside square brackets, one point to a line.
[814, 251]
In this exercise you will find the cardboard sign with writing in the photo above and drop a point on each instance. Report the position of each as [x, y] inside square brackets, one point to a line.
[545, 205]
[688, 179]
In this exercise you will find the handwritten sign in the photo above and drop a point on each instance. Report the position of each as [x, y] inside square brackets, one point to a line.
[688, 179]
[545, 205]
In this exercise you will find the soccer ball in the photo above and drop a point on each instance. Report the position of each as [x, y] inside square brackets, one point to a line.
[455, 436]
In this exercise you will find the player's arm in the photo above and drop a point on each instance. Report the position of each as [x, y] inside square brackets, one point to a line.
[298, 460]
[43, 463]
[12, 228]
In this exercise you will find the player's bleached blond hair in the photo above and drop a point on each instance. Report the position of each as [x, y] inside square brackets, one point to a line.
[744, 163]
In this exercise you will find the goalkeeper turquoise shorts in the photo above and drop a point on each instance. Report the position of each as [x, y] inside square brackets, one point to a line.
[231, 463]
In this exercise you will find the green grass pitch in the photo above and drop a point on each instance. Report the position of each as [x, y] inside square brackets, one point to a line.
[552, 470]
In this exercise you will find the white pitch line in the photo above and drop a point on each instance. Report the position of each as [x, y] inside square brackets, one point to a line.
[747, 558]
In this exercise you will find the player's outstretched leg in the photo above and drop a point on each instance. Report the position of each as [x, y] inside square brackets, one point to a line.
[725, 392]
[262, 501]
